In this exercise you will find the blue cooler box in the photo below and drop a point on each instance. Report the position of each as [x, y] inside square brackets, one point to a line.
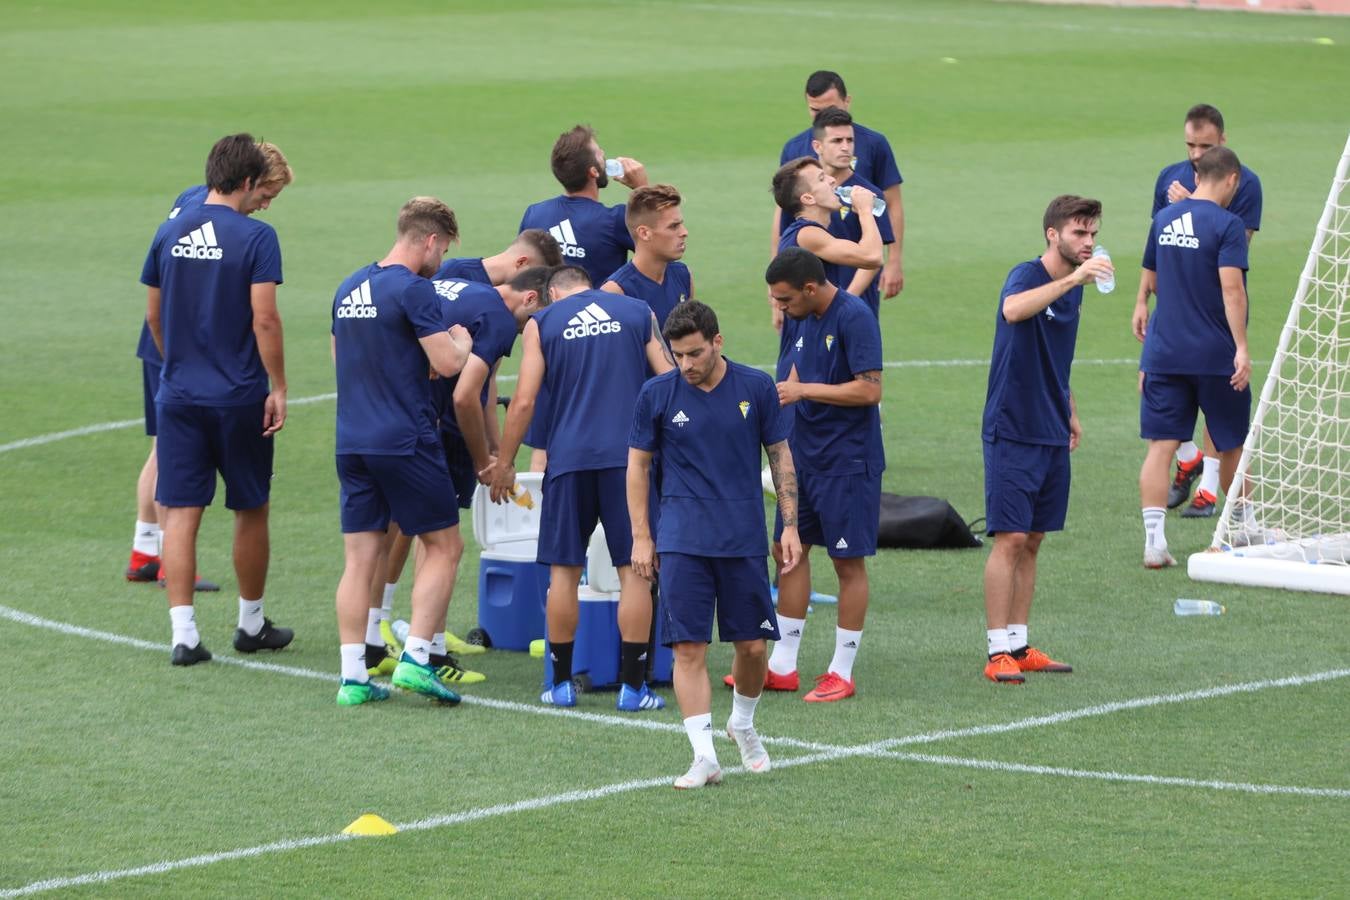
[512, 587]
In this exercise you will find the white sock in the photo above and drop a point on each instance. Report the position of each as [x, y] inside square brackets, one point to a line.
[845, 650]
[373, 637]
[1187, 452]
[998, 640]
[418, 650]
[250, 615]
[1209, 478]
[783, 660]
[1154, 533]
[184, 620]
[387, 603]
[438, 643]
[699, 729]
[146, 538]
[1017, 637]
[354, 662]
[742, 711]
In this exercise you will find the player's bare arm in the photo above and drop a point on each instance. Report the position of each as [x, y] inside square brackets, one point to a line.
[659, 357]
[267, 332]
[1022, 306]
[637, 483]
[1235, 310]
[502, 474]
[1148, 284]
[893, 273]
[863, 390]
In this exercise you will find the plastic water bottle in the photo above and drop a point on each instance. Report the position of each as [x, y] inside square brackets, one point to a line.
[400, 629]
[613, 168]
[845, 194]
[1187, 607]
[1105, 283]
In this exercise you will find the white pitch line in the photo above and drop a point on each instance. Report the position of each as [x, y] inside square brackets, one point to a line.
[1166, 780]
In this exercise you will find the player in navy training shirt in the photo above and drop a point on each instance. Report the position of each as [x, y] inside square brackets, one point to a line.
[1203, 130]
[532, 247]
[833, 145]
[144, 564]
[388, 325]
[655, 274]
[211, 277]
[594, 349]
[833, 385]
[874, 161]
[1195, 346]
[1030, 425]
[804, 191]
[708, 420]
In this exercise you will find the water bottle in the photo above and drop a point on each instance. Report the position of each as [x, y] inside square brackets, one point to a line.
[1105, 283]
[1188, 607]
[400, 629]
[613, 168]
[845, 195]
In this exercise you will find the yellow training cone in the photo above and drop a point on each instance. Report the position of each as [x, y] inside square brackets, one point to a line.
[370, 825]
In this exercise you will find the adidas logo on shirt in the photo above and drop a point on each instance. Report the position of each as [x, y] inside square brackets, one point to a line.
[590, 321]
[357, 305]
[766, 625]
[841, 545]
[679, 419]
[450, 289]
[567, 239]
[1180, 233]
[199, 243]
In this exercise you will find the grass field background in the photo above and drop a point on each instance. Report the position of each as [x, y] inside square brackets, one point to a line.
[114, 760]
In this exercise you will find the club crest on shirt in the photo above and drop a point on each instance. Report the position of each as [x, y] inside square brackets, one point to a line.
[853, 163]
[829, 342]
[798, 345]
[745, 408]
[683, 297]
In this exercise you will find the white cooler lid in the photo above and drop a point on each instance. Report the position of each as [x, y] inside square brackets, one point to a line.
[499, 524]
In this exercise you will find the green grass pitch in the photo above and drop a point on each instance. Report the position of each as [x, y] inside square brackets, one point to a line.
[114, 761]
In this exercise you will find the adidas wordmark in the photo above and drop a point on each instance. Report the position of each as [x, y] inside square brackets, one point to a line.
[357, 305]
[567, 239]
[589, 321]
[199, 243]
[1181, 233]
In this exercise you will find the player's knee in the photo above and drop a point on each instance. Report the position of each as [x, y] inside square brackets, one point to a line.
[1033, 542]
[688, 653]
[752, 652]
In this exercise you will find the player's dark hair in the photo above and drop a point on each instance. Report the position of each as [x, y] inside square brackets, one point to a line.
[645, 202]
[796, 266]
[1203, 112]
[573, 158]
[787, 187]
[534, 278]
[1070, 208]
[233, 160]
[424, 216]
[1216, 164]
[567, 277]
[820, 82]
[829, 117]
[689, 317]
[542, 244]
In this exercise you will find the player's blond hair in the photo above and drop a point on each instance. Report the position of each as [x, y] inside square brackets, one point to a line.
[421, 217]
[645, 203]
[279, 172]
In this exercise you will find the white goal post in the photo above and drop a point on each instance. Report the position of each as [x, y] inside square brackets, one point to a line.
[1286, 522]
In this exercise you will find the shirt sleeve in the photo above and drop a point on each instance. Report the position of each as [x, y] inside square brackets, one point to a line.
[150, 268]
[621, 235]
[643, 436]
[1151, 248]
[775, 420]
[1247, 203]
[885, 173]
[862, 341]
[266, 257]
[423, 307]
[1160, 192]
[1023, 277]
[884, 226]
[1233, 244]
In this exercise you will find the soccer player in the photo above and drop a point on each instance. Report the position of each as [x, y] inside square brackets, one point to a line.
[1195, 346]
[591, 235]
[211, 277]
[874, 161]
[805, 192]
[833, 145]
[144, 564]
[532, 247]
[708, 420]
[655, 274]
[1031, 426]
[594, 348]
[1203, 130]
[831, 348]
[388, 325]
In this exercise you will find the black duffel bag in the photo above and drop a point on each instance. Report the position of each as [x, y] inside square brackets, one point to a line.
[923, 523]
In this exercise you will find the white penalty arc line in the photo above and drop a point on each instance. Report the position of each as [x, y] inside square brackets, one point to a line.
[53, 437]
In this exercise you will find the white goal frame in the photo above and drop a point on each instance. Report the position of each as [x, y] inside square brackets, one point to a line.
[1268, 556]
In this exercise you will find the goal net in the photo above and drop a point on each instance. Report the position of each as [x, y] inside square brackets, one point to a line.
[1286, 522]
